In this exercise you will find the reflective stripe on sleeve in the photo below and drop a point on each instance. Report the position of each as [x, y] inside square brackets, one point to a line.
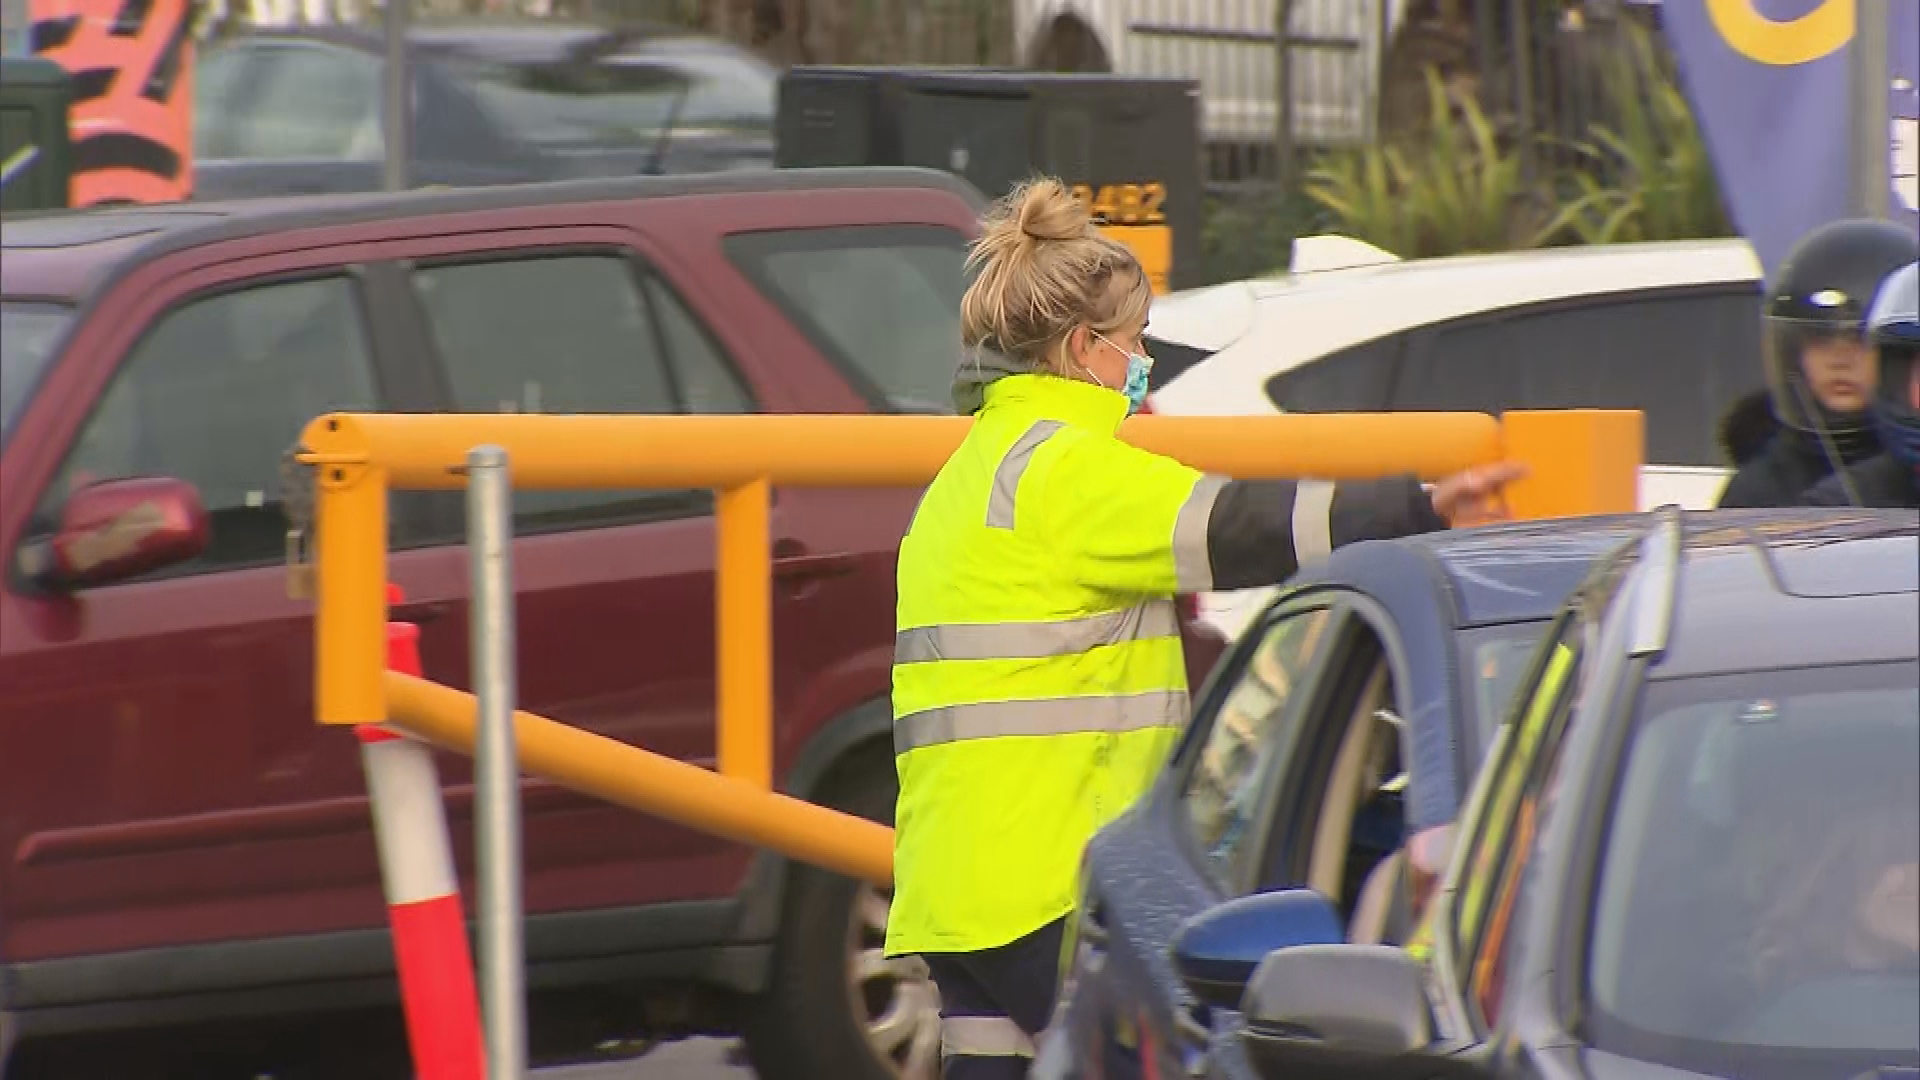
[1035, 640]
[1045, 716]
[983, 1036]
[1312, 520]
[1192, 564]
[1006, 478]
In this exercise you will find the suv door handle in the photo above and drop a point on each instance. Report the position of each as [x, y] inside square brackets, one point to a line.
[793, 564]
[424, 611]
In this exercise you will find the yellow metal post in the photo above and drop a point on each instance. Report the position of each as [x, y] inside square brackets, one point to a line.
[350, 618]
[744, 623]
[1580, 461]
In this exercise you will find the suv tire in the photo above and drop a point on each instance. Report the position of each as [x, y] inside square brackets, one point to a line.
[833, 1006]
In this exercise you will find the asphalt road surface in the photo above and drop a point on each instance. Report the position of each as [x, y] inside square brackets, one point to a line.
[690, 1059]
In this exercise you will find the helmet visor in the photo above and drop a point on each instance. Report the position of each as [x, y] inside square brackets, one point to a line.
[1821, 373]
[1900, 378]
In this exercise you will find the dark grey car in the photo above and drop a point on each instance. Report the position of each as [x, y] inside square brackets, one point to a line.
[1693, 852]
[289, 112]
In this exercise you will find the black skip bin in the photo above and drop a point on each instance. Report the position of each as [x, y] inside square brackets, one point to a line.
[35, 156]
[1130, 148]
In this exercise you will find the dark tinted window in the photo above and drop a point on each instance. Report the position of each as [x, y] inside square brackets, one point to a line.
[215, 394]
[1356, 379]
[882, 302]
[1682, 358]
[574, 334]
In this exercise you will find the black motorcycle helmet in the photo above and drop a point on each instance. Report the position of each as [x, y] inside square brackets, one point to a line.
[1821, 293]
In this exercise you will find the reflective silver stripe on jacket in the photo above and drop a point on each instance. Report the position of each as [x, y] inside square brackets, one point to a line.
[1006, 478]
[1312, 520]
[1036, 640]
[1043, 716]
[983, 1036]
[1192, 564]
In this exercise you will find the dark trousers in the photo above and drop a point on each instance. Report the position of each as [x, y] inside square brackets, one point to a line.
[994, 1002]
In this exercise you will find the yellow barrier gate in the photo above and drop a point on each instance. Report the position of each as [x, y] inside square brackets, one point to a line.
[1580, 462]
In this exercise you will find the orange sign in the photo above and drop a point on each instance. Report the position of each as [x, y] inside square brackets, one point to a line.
[1152, 245]
[132, 71]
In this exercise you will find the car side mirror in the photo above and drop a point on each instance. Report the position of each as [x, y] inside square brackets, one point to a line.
[1336, 1011]
[115, 530]
[1217, 951]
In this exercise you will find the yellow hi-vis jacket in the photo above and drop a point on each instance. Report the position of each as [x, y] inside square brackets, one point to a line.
[1038, 678]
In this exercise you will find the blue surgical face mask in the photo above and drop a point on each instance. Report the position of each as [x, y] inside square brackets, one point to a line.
[1139, 366]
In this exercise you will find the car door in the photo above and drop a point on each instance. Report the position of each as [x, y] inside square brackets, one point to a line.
[615, 589]
[1192, 843]
[166, 782]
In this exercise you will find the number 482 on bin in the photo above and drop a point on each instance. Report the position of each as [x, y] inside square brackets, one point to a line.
[1124, 204]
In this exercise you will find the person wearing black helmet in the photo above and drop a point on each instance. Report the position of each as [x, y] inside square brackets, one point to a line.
[1892, 477]
[1820, 373]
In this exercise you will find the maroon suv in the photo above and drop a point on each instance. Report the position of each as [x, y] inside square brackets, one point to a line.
[186, 848]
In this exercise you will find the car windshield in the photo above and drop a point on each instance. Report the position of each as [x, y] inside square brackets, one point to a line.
[1498, 657]
[578, 104]
[1758, 913]
[28, 333]
[624, 101]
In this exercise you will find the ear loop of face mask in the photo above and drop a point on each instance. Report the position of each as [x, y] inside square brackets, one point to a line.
[1123, 352]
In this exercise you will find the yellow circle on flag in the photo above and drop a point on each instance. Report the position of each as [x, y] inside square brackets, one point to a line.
[1783, 42]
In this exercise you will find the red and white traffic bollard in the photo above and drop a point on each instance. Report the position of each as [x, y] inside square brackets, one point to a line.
[423, 893]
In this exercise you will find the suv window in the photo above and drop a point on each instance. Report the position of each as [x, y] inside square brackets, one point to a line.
[881, 301]
[1682, 356]
[215, 394]
[586, 333]
[1358, 378]
[1251, 738]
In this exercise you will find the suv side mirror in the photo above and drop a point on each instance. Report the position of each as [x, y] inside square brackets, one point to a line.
[1217, 951]
[1338, 1011]
[118, 529]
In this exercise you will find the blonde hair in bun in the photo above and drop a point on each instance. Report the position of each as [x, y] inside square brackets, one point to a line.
[1041, 269]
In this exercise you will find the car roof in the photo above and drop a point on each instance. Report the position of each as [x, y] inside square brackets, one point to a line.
[1518, 572]
[1762, 590]
[1259, 328]
[69, 255]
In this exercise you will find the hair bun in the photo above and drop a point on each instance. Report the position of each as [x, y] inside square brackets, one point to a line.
[1048, 211]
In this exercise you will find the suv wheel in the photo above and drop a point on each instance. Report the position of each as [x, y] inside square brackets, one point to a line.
[835, 1006]
[901, 1006]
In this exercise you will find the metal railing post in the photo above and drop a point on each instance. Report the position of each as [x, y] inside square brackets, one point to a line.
[497, 776]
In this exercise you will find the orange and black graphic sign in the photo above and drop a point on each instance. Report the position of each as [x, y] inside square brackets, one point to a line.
[131, 65]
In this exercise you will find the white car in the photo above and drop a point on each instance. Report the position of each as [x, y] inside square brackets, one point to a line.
[1672, 329]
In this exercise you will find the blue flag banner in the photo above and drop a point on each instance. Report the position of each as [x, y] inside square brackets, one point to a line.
[1770, 82]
